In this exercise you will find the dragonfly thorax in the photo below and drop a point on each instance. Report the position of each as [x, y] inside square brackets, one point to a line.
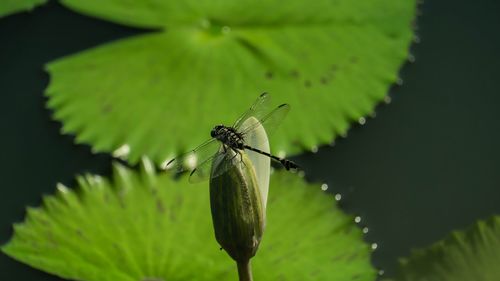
[228, 136]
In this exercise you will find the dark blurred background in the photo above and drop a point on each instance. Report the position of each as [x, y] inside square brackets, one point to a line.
[428, 163]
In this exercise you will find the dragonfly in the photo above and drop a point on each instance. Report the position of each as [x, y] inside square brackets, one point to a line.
[233, 138]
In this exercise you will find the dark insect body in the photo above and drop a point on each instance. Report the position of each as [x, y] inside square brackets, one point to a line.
[228, 136]
[233, 138]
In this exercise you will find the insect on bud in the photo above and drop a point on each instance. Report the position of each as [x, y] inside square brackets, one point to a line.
[238, 197]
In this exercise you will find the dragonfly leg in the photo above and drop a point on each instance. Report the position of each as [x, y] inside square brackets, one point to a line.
[241, 157]
[238, 153]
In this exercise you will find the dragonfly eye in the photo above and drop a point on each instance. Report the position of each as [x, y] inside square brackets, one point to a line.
[215, 131]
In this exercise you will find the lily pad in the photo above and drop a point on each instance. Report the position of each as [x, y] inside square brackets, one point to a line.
[8, 7]
[160, 93]
[473, 254]
[146, 226]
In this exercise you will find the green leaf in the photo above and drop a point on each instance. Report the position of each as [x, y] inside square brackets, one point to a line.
[473, 254]
[144, 226]
[160, 93]
[8, 7]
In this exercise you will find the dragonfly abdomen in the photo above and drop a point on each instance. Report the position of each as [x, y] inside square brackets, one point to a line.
[287, 164]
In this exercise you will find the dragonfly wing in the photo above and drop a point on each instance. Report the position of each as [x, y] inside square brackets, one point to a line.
[192, 159]
[215, 166]
[258, 109]
[223, 161]
[202, 171]
[270, 121]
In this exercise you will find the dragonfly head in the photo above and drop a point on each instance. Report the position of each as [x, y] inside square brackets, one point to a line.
[216, 131]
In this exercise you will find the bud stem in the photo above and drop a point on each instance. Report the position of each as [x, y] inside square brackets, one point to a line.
[244, 270]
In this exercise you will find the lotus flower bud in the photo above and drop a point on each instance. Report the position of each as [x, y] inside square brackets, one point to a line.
[238, 196]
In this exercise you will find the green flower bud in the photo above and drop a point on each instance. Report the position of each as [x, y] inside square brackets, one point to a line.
[236, 205]
[238, 197]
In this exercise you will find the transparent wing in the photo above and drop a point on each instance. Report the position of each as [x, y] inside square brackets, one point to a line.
[270, 121]
[215, 166]
[202, 171]
[258, 109]
[223, 161]
[194, 158]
